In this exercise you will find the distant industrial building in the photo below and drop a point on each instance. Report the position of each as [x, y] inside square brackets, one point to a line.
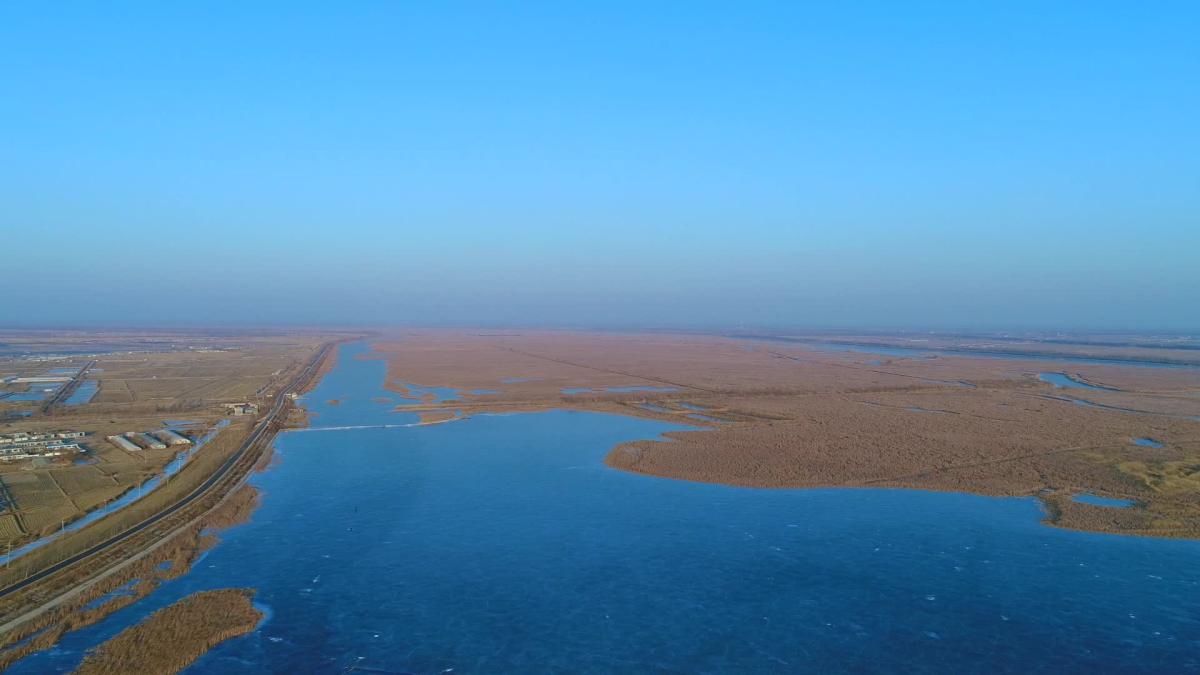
[26, 439]
[159, 439]
[40, 379]
[53, 449]
[23, 445]
[170, 437]
[145, 440]
[124, 443]
[239, 409]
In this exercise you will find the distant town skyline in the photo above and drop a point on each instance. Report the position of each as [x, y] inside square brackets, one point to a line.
[997, 166]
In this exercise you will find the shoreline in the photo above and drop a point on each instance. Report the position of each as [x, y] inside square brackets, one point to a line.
[773, 418]
[1051, 504]
[1059, 509]
[176, 636]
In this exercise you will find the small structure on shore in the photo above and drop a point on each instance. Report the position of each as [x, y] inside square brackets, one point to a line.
[239, 409]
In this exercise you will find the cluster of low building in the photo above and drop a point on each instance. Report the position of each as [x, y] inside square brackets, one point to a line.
[37, 379]
[134, 441]
[24, 445]
[240, 409]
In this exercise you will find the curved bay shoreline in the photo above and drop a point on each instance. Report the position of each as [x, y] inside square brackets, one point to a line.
[804, 419]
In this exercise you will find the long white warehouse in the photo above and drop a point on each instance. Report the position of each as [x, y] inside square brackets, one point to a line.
[124, 443]
[170, 437]
[145, 440]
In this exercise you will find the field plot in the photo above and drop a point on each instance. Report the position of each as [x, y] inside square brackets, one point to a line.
[34, 490]
[112, 391]
[42, 505]
[44, 521]
[88, 486]
[9, 529]
[133, 473]
[80, 479]
[196, 379]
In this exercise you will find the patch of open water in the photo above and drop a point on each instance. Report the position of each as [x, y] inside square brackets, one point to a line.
[654, 407]
[1097, 500]
[1063, 380]
[84, 392]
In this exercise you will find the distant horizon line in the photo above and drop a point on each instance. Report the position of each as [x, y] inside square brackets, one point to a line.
[743, 328]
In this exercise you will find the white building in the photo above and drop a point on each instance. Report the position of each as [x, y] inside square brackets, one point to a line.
[124, 443]
[170, 437]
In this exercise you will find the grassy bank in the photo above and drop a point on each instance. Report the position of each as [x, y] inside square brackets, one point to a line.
[170, 639]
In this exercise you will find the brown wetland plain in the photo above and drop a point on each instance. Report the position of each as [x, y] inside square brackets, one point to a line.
[785, 415]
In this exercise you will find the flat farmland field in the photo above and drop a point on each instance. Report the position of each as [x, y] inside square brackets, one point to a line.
[34, 490]
[87, 486]
[9, 529]
[197, 377]
[76, 479]
[44, 521]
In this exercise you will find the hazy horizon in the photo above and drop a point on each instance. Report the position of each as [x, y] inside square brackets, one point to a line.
[743, 329]
[992, 167]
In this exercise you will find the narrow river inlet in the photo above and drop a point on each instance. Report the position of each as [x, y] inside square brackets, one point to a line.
[503, 544]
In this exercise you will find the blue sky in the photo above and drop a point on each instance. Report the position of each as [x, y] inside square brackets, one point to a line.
[911, 165]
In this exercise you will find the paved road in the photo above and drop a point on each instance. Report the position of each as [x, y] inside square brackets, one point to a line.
[256, 435]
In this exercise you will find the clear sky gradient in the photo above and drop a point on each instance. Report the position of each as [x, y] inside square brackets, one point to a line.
[888, 165]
